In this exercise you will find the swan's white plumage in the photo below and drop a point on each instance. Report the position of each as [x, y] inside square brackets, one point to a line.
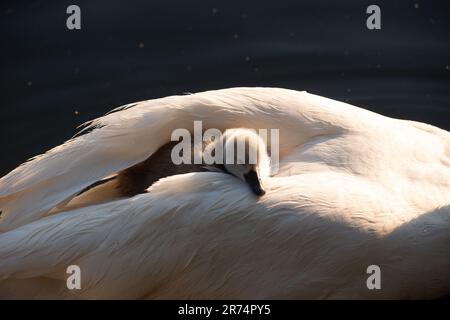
[354, 189]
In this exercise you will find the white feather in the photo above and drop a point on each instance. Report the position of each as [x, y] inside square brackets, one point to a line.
[354, 189]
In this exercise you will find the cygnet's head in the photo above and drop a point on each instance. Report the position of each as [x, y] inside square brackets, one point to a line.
[245, 157]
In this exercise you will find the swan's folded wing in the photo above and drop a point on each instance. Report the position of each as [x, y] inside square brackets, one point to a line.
[128, 136]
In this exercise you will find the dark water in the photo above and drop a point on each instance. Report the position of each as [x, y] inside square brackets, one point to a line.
[53, 79]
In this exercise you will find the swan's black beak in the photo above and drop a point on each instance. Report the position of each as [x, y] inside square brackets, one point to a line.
[254, 182]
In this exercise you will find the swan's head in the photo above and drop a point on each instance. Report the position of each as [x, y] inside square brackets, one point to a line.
[245, 157]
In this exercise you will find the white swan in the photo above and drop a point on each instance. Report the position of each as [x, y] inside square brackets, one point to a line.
[353, 189]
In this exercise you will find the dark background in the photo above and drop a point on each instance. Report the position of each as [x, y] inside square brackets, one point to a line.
[53, 79]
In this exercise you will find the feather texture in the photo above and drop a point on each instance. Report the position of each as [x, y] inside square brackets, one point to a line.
[354, 188]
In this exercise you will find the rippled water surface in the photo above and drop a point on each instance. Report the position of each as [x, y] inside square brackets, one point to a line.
[53, 79]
